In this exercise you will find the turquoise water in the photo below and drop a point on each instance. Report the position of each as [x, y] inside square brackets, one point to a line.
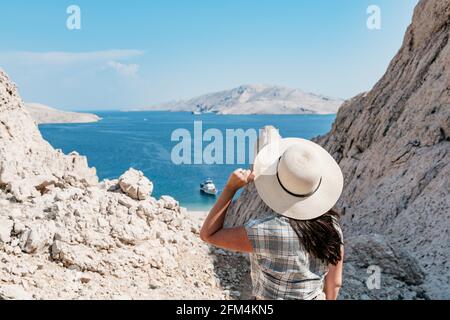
[142, 140]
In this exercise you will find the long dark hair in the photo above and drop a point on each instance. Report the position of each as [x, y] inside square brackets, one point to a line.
[320, 236]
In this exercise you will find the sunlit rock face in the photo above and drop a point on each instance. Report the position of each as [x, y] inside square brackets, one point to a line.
[393, 146]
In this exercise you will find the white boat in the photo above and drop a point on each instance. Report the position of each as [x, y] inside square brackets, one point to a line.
[208, 187]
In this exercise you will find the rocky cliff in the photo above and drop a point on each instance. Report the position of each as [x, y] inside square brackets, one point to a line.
[65, 235]
[28, 163]
[393, 146]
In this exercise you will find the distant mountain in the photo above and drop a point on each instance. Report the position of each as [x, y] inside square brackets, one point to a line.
[256, 99]
[44, 114]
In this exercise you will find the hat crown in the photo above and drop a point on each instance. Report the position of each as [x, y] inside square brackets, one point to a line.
[299, 170]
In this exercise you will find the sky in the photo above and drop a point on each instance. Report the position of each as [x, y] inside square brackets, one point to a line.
[131, 54]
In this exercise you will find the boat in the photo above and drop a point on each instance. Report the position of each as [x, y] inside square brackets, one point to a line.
[208, 187]
[196, 113]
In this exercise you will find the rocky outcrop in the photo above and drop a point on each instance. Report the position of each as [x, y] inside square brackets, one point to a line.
[393, 145]
[28, 164]
[65, 235]
[135, 184]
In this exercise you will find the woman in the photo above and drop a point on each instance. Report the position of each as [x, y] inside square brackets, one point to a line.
[296, 251]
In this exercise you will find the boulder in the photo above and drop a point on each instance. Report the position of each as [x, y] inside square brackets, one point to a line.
[6, 227]
[38, 236]
[14, 292]
[134, 184]
[22, 190]
[167, 202]
[78, 257]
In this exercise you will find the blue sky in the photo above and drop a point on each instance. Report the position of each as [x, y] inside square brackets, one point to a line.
[137, 53]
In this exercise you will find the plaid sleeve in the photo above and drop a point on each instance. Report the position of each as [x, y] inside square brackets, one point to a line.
[265, 236]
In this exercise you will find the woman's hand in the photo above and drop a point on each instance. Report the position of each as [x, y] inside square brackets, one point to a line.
[239, 178]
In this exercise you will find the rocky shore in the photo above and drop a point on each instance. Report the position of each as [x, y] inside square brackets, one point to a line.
[65, 235]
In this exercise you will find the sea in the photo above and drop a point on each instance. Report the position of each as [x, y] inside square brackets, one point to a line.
[146, 140]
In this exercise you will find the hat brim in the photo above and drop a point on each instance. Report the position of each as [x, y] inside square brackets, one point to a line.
[271, 192]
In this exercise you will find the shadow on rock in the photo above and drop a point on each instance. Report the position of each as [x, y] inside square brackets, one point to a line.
[233, 273]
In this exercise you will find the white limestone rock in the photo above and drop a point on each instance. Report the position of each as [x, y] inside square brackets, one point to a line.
[6, 227]
[393, 144]
[37, 236]
[167, 202]
[63, 235]
[134, 184]
[14, 292]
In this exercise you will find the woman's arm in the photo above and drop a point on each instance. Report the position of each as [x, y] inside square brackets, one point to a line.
[213, 232]
[333, 279]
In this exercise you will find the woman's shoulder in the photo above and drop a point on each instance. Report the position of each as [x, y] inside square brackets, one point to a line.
[271, 236]
[273, 226]
[269, 220]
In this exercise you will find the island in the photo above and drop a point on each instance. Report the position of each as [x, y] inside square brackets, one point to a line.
[254, 99]
[43, 114]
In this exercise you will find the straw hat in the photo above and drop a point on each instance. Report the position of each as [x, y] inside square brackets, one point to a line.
[297, 178]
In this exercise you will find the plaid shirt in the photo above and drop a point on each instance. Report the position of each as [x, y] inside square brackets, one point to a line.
[281, 269]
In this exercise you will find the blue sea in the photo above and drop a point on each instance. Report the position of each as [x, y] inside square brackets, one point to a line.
[142, 140]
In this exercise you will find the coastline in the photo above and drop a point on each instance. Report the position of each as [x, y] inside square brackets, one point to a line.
[43, 114]
[198, 216]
